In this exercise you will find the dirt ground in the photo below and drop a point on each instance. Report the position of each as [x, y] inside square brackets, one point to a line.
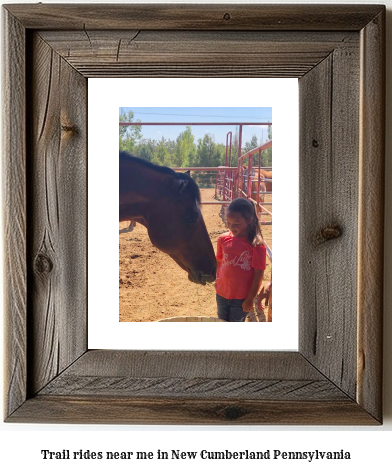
[152, 286]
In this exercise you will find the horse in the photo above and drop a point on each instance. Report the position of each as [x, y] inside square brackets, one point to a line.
[266, 175]
[264, 185]
[168, 205]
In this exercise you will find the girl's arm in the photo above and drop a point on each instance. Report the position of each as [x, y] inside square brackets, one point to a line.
[218, 262]
[265, 295]
[247, 305]
[218, 256]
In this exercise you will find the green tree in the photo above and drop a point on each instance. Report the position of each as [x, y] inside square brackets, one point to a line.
[234, 155]
[266, 155]
[171, 146]
[252, 144]
[185, 148]
[208, 153]
[161, 154]
[145, 149]
[128, 135]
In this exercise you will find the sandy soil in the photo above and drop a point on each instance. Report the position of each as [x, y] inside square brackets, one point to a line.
[152, 286]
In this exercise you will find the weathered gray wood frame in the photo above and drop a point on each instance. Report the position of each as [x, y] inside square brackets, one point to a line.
[337, 52]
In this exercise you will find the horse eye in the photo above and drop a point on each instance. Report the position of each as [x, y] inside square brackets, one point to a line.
[191, 220]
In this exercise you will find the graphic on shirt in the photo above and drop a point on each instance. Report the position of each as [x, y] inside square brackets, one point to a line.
[243, 261]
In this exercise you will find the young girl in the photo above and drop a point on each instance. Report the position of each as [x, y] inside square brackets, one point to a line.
[241, 258]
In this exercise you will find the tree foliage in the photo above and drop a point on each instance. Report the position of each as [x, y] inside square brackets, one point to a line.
[185, 149]
[209, 153]
[252, 144]
[183, 152]
[266, 155]
[129, 135]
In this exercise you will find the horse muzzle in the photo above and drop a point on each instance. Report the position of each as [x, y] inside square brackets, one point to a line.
[198, 277]
[203, 278]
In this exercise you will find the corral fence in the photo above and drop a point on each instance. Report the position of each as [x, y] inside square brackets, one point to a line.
[244, 180]
[230, 182]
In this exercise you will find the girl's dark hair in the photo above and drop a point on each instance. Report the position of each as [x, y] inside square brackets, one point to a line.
[248, 211]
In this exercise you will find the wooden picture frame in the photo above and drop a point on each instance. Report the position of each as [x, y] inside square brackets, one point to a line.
[338, 54]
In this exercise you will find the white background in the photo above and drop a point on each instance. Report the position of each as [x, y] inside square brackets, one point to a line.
[105, 98]
[20, 445]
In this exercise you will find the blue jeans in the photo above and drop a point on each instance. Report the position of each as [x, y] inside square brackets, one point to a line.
[230, 310]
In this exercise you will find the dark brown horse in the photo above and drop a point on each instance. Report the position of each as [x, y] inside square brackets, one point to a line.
[168, 205]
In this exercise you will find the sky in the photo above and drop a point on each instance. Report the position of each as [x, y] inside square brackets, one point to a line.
[202, 114]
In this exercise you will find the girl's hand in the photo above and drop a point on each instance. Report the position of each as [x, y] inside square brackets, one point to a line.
[247, 304]
[264, 294]
[259, 304]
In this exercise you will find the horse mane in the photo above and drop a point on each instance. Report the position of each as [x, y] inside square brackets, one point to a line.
[192, 187]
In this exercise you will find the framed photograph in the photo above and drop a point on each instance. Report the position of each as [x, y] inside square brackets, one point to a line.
[337, 53]
[151, 285]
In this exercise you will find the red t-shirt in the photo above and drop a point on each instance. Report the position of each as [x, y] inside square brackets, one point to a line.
[238, 259]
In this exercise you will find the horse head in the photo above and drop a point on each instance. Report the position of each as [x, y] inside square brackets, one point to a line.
[176, 227]
[168, 205]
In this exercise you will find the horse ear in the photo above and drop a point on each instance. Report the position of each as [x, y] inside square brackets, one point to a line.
[183, 185]
[188, 172]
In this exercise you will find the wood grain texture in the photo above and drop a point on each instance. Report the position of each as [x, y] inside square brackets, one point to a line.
[123, 53]
[208, 375]
[371, 216]
[188, 387]
[329, 202]
[192, 387]
[207, 364]
[194, 17]
[14, 208]
[57, 210]
[103, 409]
